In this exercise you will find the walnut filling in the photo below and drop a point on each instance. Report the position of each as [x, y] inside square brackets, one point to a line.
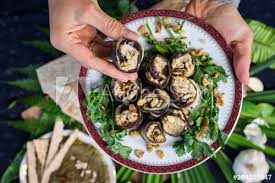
[127, 116]
[155, 134]
[131, 55]
[125, 90]
[175, 123]
[154, 101]
[185, 63]
[159, 68]
[184, 88]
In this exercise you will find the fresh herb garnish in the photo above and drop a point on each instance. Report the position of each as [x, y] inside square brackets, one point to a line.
[98, 108]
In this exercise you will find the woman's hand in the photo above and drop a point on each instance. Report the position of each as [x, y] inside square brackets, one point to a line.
[226, 19]
[73, 25]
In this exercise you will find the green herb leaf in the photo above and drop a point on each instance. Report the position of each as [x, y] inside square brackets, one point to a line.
[26, 84]
[264, 41]
[45, 46]
[118, 148]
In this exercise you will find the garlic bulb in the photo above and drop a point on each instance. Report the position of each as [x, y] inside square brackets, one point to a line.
[255, 84]
[254, 133]
[250, 166]
[259, 121]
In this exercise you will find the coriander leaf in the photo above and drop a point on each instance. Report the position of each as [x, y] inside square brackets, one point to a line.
[118, 148]
[201, 149]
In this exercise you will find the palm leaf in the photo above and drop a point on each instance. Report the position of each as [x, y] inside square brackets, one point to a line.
[45, 46]
[264, 41]
[26, 84]
[28, 70]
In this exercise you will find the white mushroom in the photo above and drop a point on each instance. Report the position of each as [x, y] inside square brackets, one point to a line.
[255, 84]
[250, 166]
[254, 133]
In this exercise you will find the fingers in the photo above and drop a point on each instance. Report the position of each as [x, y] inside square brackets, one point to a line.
[90, 60]
[109, 26]
[242, 59]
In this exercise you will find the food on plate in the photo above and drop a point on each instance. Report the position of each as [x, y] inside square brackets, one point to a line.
[184, 63]
[160, 154]
[185, 91]
[32, 170]
[175, 122]
[127, 55]
[72, 161]
[139, 153]
[55, 140]
[125, 91]
[41, 149]
[175, 95]
[153, 133]
[128, 116]
[155, 102]
[158, 71]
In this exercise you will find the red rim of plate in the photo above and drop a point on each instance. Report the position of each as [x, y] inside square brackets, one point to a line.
[228, 128]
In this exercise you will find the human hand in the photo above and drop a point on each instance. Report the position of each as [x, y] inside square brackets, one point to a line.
[73, 27]
[226, 19]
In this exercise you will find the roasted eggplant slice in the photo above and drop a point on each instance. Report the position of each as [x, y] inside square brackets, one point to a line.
[153, 133]
[185, 92]
[125, 91]
[158, 71]
[175, 122]
[155, 102]
[183, 63]
[128, 116]
[127, 55]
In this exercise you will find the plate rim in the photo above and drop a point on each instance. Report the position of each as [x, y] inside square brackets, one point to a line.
[81, 136]
[230, 125]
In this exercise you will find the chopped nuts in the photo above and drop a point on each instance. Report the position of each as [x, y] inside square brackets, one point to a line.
[205, 82]
[219, 100]
[176, 27]
[158, 27]
[139, 153]
[216, 75]
[142, 29]
[167, 22]
[183, 37]
[160, 154]
[134, 133]
[219, 97]
[149, 148]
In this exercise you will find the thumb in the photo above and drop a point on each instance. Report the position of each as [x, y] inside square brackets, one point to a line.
[110, 26]
[242, 60]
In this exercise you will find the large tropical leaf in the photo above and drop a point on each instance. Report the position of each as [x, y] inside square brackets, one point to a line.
[264, 41]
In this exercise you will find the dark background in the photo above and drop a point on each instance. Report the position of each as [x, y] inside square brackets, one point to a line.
[18, 22]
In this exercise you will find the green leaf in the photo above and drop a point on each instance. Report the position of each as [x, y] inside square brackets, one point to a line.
[26, 125]
[264, 41]
[26, 84]
[44, 30]
[45, 46]
[264, 111]
[236, 141]
[271, 165]
[124, 174]
[118, 148]
[123, 6]
[225, 166]
[28, 70]
[12, 172]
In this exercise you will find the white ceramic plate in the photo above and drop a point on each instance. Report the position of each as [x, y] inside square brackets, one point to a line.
[200, 35]
[84, 138]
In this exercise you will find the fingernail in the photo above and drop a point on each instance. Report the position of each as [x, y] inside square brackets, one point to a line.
[127, 33]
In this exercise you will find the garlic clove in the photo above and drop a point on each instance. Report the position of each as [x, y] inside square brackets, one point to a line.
[253, 133]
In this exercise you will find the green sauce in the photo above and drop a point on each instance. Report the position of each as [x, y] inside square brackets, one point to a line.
[85, 153]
